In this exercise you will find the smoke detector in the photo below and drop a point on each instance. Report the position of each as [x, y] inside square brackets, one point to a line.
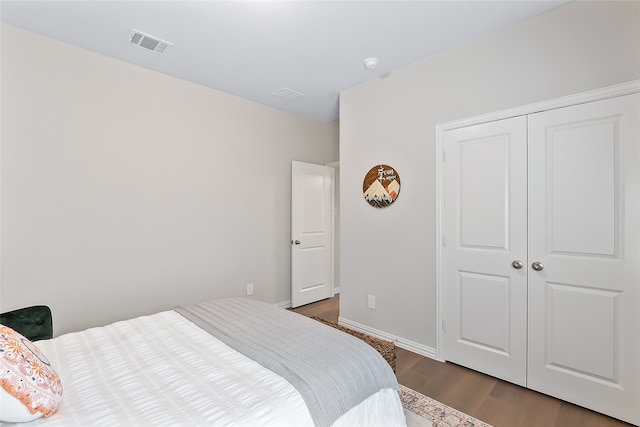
[371, 63]
[148, 42]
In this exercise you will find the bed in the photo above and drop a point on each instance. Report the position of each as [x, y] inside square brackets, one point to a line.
[228, 362]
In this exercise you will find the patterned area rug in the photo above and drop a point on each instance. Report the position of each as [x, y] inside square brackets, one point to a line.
[424, 411]
[420, 410]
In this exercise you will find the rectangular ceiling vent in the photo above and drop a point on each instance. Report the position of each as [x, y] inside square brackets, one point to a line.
[148, 42]
[288, 94]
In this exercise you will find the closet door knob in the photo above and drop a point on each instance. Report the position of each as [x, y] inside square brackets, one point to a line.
[517, 264]
[537, 266]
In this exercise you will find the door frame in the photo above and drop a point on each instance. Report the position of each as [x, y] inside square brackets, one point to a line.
[566, 101]
[335, 231]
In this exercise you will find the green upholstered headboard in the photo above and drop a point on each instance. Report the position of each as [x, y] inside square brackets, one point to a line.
[34, 322]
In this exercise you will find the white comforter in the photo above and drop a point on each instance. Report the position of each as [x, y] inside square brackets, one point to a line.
[141, 372]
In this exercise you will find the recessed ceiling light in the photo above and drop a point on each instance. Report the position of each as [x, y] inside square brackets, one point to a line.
[371, 63]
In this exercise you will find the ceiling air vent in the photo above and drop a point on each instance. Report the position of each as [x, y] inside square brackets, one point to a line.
[288, 94]
[148, 42]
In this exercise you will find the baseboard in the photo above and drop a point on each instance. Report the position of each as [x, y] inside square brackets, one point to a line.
[284, 304]
[287, 304]
[413, 346]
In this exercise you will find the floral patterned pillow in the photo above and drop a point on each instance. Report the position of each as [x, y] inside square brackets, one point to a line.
[30, 387]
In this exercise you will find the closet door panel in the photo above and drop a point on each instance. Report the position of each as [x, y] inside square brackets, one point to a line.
[584, 220]
[484, 296]
[582, 183]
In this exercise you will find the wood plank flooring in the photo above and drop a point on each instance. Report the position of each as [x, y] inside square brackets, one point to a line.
[491, 400]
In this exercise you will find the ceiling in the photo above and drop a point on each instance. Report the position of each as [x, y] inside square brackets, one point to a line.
[253, 49]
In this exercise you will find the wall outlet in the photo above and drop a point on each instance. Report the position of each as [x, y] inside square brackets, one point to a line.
[250, 289]
[371, 301]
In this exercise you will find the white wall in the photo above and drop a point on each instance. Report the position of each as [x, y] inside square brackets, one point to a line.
[391, 252]
[126, 191]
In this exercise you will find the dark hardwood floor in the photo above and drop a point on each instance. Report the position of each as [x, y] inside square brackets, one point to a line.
[491, 400]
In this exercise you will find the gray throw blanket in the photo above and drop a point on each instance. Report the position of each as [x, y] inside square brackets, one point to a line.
[333, 371]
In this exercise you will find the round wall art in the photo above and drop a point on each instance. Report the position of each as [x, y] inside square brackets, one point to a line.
[381, 186]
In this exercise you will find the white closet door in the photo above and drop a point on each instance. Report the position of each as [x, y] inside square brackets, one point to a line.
[485, 231]
[584, 228]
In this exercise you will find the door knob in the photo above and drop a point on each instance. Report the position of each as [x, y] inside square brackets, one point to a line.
[297, 242]
[517, 264]
[537, 266]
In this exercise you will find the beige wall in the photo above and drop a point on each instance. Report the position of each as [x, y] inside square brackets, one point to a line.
[126, 191]
[391, 252]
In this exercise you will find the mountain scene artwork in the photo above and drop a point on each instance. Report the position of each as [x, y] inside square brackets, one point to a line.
[381, 186]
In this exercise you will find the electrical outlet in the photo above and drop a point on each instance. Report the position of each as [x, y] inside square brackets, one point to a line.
[250, 289]
[371, 301]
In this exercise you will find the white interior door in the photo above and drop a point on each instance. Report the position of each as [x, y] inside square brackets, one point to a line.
[311, 225]
[584, 228]
[485, 232]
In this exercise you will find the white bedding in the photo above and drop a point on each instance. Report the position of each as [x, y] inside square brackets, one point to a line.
[140, 372]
